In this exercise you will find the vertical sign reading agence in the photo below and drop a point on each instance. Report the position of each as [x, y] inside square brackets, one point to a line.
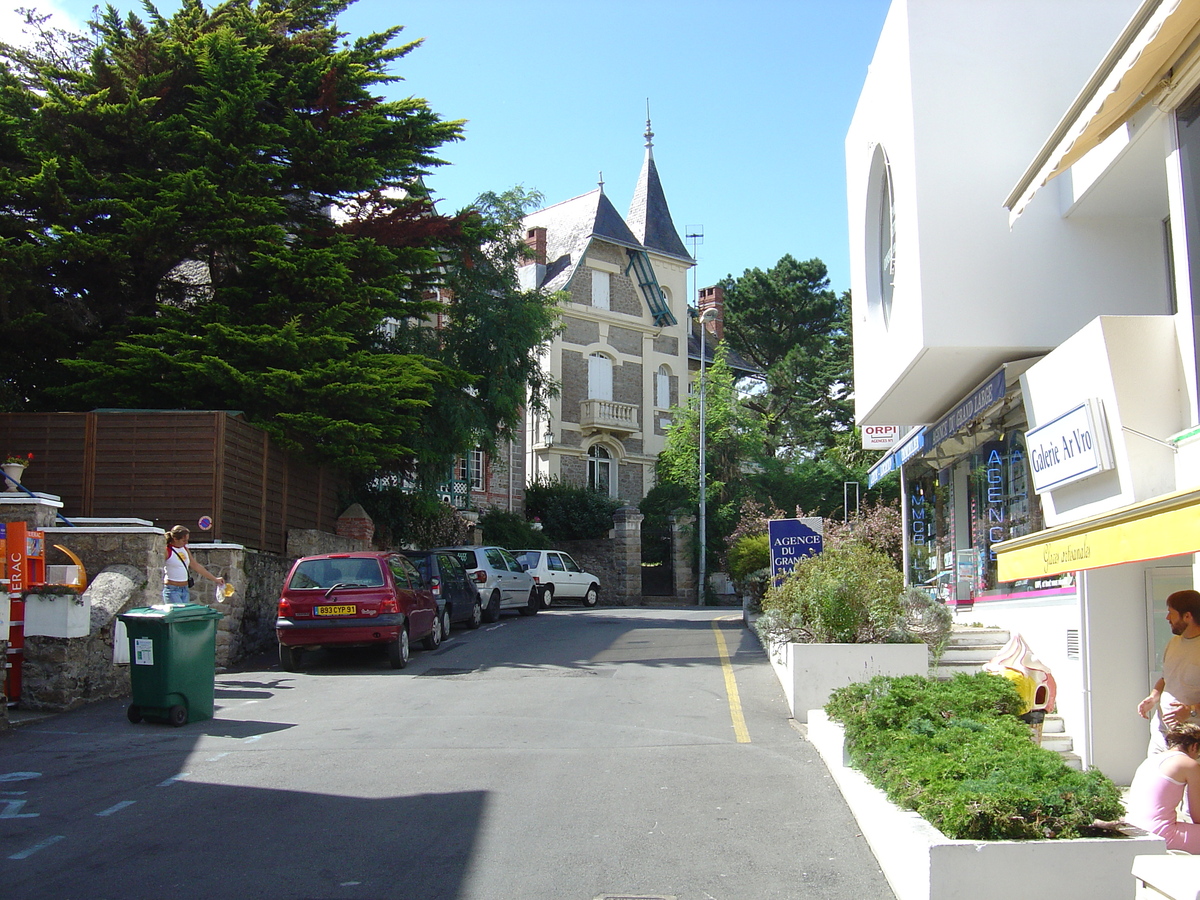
[791, 541]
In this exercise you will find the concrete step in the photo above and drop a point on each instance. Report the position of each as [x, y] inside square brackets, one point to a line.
[947, 670]
[1054, 725]
[1059, 743]
[1073, 760]
[965, 635]
[980, 652]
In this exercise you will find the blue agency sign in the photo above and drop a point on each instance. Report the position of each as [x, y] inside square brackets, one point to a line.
[791, 541]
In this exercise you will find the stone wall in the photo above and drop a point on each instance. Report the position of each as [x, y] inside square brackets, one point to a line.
[595, 556]
[307, 542]
[63, 673]
[616, 560]
[124, 563]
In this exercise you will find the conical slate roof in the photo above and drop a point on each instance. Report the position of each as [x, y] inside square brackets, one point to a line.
[649, 217]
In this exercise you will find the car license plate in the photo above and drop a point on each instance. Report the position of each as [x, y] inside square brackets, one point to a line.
[347, 610]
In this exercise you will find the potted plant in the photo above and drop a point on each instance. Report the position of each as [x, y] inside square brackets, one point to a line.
[14, 466]
[843, 616]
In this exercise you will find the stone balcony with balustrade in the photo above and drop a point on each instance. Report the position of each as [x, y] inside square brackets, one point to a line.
[608, 415]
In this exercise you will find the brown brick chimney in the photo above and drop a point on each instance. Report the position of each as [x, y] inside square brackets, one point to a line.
[535, 239]
[714, 298]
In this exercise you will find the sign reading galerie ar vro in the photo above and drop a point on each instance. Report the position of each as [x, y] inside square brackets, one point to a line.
[879, 437]
[1072, 447]
[791, 541]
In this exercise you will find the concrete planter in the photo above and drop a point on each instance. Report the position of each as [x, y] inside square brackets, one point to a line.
[921, 863]
[60, 615]
[810, 672]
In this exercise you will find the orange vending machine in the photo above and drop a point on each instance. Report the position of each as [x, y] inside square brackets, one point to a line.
[24, 567]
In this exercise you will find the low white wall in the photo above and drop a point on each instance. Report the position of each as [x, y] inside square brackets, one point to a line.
[921, 863]
[810, 672]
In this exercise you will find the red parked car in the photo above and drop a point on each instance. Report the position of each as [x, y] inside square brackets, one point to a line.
[355, 600]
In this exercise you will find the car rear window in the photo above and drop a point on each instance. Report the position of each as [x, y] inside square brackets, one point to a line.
[423, 566]
[530, 558]
[321, 574]
[466, 557]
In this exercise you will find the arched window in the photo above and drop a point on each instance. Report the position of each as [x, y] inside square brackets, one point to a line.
[600, 377]
[662, 388]
[600, 470]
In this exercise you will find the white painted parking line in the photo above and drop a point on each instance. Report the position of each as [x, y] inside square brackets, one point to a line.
[12, 810]
[174, 778]
[25, 854]
[114, 809]
[19, 776]
[218, 756]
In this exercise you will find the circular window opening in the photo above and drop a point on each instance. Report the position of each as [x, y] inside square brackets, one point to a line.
[880, 238]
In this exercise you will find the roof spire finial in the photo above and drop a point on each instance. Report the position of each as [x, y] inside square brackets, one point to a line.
[649, 135]
[602, 181]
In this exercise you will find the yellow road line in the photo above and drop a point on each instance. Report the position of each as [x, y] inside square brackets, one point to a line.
[735, 702]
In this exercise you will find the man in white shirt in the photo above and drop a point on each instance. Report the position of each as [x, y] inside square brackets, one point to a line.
[1175, 699]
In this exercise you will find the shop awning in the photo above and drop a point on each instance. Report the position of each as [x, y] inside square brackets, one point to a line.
[1165, 526]
[1129, 76]
[912, 444]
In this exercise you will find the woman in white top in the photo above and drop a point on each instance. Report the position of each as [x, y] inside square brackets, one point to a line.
[175, 570]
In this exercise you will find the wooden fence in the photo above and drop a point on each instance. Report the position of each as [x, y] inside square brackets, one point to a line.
[174, 467]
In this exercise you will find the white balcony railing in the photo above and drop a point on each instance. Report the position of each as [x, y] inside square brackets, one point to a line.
[607, 415]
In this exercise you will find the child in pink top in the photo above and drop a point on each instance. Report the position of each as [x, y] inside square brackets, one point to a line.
[1161, 782]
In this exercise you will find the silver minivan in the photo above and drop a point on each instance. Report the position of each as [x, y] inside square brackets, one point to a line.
[502, 581]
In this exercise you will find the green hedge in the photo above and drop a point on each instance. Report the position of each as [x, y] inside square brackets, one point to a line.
[956, 753]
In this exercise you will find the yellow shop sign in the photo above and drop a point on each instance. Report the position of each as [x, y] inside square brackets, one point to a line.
[1166, 526]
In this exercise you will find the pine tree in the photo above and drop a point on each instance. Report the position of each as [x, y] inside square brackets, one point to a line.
[217, 210]
[789, 323]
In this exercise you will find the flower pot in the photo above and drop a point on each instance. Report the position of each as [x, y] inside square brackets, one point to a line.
[13, 471]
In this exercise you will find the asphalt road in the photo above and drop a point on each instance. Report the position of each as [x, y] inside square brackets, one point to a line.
[577, 754]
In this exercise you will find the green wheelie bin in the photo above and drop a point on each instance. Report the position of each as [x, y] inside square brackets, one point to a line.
[172, 655]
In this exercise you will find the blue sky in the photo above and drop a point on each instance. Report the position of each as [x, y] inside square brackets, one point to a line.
[750, 103]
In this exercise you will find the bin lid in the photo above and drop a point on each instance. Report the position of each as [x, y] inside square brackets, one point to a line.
[169, 612]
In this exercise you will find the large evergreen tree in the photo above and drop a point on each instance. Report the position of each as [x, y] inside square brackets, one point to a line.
[789, 323]
[217, 210]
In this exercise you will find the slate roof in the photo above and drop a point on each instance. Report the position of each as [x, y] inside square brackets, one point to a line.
[570, 227]
[741, 366]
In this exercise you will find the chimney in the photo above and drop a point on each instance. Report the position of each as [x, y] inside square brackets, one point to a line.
[533, 271]
[535, 239]
[714, 298]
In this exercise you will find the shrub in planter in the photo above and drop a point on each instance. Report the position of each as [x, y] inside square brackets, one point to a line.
[956, 753]
[848, 594]
[750, 564]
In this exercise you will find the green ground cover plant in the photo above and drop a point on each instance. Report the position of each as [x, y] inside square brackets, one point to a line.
[956, 753]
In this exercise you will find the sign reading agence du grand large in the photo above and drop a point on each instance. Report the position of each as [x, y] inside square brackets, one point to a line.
[1071, 447]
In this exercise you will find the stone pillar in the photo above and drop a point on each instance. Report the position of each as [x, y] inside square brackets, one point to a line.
[355, 523]
[40, 511]
[627, 556]
[683, 536]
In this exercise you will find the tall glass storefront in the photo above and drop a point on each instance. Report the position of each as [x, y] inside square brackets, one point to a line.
[959, 509]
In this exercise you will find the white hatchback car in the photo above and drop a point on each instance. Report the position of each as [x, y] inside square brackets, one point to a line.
[559, 576]
[502, 581]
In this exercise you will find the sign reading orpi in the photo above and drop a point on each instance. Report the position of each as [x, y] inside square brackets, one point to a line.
[791, 541]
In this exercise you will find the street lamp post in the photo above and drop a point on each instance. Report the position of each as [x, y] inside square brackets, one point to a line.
[709, 315]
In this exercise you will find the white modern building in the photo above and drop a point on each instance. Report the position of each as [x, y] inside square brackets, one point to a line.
[1024, 195]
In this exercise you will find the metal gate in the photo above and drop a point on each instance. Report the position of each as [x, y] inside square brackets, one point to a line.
[658, 572]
